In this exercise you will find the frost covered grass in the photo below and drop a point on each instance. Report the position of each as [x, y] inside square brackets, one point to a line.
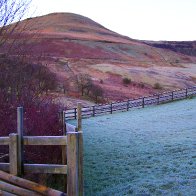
[147, 151]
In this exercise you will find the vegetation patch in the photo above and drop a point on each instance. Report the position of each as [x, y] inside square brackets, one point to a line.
[137, 152]
[157, 86]
[126, 81]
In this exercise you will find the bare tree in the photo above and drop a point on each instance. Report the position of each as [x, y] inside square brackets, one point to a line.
[96, 92]
[11, 12]
[84, 83]
[22, 80]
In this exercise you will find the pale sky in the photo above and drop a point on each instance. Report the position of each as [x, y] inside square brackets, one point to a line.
[172, 20]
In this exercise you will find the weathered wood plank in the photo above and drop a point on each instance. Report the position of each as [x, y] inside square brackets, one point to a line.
[45, 168]
[5, 167]
[16, 190]
[20, 147]
[45, 140]
[63, 122]
[80, 163]
[4, 193]
[38, 168]
[4, 140]
[64, 162]
[64, 150]
[72, 164]
[23, 183]
[13, 154]
[79, 117]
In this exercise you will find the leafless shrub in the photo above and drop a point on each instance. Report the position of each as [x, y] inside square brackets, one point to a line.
[11, 12]
[84, 83]
[96, 92]
[126, 81]
[157, 86]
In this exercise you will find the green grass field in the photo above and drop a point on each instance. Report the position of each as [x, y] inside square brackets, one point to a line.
[147, 151]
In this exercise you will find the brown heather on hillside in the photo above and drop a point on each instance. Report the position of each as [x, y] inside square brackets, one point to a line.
[71, 44]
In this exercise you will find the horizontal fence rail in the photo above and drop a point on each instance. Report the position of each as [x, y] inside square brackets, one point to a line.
[12, 185]
[72, 154]
[11, 141]
[73, 168]
[141, 102]
[38, 168]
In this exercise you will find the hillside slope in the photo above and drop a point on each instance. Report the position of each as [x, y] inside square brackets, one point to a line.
[71, 44]
[184, 47]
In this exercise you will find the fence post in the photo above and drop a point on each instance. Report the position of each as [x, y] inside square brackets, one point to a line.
[172, 95]
[186, 92]
[93, 111]
[158, 97]
[80, 163]
[74, 164]
[111, 109]
[79, 117]
[13, 154]
[75, 113]
[80, 149]
[143, 102]
[64, 150]
[20, 130]
[128, 105]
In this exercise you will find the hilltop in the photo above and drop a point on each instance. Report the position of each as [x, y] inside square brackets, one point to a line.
[71, 44]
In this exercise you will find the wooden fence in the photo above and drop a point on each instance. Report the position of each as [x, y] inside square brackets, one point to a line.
[11, 185]
[72, 145]
[96, 110]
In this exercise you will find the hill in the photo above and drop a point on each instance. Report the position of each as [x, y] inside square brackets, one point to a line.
[184, 47]
[72, 44]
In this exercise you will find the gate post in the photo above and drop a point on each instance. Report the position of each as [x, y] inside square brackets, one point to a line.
[20, 128]
[75, 158]
[13, 154]
[74, 164]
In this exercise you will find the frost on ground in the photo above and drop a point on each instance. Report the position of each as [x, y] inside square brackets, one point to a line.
[147, 151]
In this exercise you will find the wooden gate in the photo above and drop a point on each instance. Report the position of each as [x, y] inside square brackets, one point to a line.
[72, 151]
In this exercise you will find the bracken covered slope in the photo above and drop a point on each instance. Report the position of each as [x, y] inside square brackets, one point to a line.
[72, 44]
